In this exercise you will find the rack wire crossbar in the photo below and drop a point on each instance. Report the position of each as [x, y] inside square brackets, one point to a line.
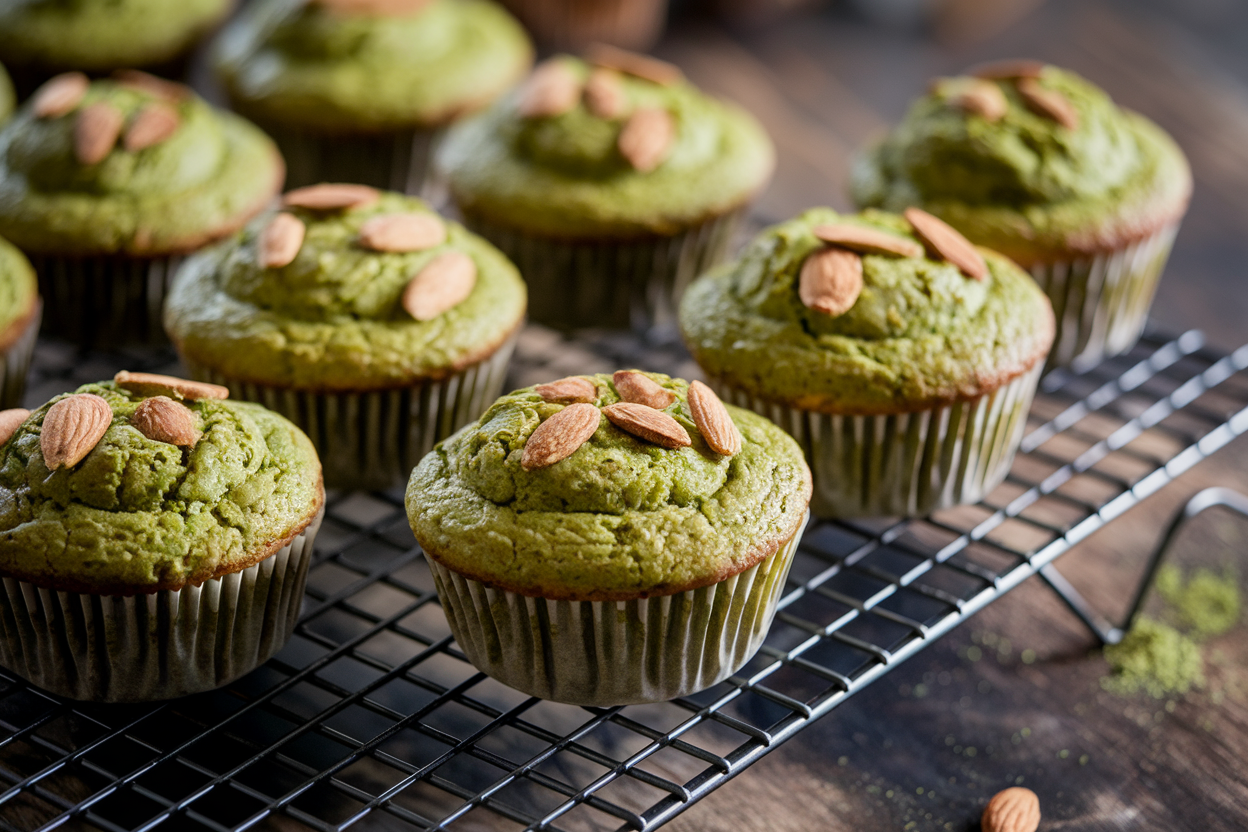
[372, 718]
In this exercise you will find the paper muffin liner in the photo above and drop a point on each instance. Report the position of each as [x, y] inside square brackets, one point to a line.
[159, 645]
[904, 464]
[1101, 303]
[610, 284]
[576, 24]
[606, 653]
[373, 440]
[104, 301]
[392, 161]
[15, 363]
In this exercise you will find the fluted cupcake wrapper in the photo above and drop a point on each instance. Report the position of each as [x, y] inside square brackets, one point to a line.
[904, 464]
[159, 645]
[104, 301]
[1101, 303]
[15, 363]
[373, 440]
[393, 161]
[606, 653]
[610, 284]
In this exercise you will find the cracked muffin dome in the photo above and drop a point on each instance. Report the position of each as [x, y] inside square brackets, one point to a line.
[605, 487]
[149, 483]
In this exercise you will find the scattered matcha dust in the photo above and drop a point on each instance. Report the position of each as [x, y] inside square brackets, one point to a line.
[1205, 604]
[1153, 658]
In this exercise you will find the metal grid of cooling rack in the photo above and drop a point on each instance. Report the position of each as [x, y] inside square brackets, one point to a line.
[372, 718]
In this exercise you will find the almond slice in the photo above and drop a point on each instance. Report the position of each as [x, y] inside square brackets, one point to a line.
[446, 281]
[1007, 70]
[946, 243]
[654, 426]
[96, 132]
[604, 94]
[330, 196]
[559, 436]
[152, 85]
[551, 90]
[866, 240]
[152, 125]
[976, 96]
[712, 419]
[10, 421]
[154, 384]
[279, 243]
[1013, 810]
[402, 232]
[635, 64]
[830, 281]
[1048, 103]
[72, 428]
[568, 390]
[59, 95]
[647, 138]
[161, 419]
[639, 388]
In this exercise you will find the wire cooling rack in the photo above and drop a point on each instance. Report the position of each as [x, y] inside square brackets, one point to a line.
[372, 718]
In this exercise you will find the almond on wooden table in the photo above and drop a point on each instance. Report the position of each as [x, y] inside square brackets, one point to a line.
[330, 196]
[559, 436]
[59, 95]
[568, 390]
[152, 125]
[646, 138]
[402, 232]
[1048, 103]
[72, 428]
[1013, 810]
[634, 63]
[604, 94]
[830, 281]
[866, 240]
[639, 388]
[161, 419]
[96, 132]
[10, 421]
[712, 419]
[154, 384]
[280, 241]
[551, 90]
[646, 423]
[446, 281]
[947, 243]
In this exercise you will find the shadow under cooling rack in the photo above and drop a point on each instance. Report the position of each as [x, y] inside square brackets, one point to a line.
[372, 718]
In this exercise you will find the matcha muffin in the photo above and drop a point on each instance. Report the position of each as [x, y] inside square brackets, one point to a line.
[20, 310]
[610, 182]
[604, 540]
[106, 184]
[1036, 163]
[364, 317]
[355, 90]
[902, 358]
[39, 38]
[154, 538]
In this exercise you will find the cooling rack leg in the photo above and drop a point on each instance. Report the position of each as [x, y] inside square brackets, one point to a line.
[1105, 631]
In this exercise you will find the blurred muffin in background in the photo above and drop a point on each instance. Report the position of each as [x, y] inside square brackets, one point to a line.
[19, 324]
[8, 97]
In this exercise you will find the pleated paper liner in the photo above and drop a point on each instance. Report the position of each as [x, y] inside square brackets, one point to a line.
[1101, 303]
[373, 440]
[15, 363]
[393, 161]
[605, 653]
[906, 464]
[604, 284]
[159, 645]
[104, 301]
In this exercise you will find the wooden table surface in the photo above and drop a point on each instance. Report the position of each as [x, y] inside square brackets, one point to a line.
[926, 746]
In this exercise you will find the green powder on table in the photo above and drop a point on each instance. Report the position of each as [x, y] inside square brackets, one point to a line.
[1204, 603]
[1153, 658]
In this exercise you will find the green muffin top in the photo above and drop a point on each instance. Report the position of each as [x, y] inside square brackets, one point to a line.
[135, 165]
[618, 147]
[83, 34]
[8, 98]
[815, 325]
[346, 304]
[149, 483]
[1031, 161]
[18, 290]
[370, 65]
[560, 491]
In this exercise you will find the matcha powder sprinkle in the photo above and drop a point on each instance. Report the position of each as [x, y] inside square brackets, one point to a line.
[1153, 658]
[1206, 604]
